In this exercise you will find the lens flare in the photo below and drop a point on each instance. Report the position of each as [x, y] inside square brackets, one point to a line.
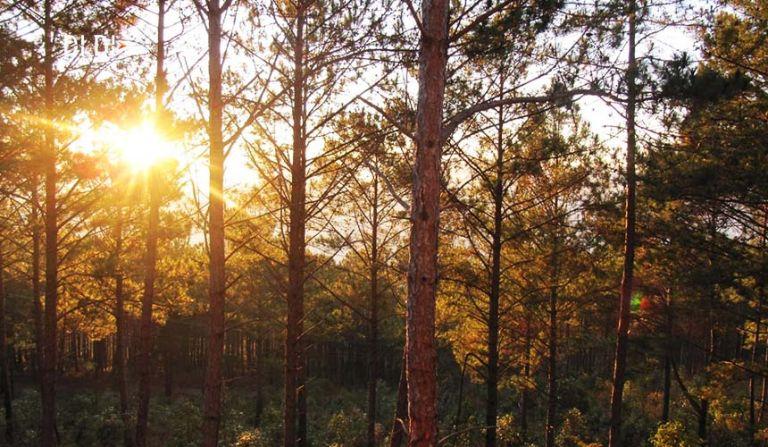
[140, 147]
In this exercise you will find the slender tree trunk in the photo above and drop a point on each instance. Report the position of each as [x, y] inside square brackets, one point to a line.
[492, 380]
[667, 363]
[704, 413]
[524, 398]
[753, 375]
[217, 279]
[294, 358]
[259, 366]
[373, 336]
[553, 341]
[667, 389]
[74, 353]
[754, 419]
[622, 336]
[48, 372]
[144, 361]
[401, 410]
[762, 280]
[5, 364]
[37, 307]
[146, 335]
[702, 423]
[421, 352]
[764, 386]
[372, 373]
[460, 397]
[711, 342]
[301, 385]
[119, 360]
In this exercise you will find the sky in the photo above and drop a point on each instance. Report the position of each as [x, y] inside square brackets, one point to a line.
[186, 34]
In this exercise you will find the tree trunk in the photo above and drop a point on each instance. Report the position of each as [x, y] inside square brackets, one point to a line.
[119, 360]
[298, 222]
[373, 336]
[37, 307]
[553, 341]
[421, 352]
[492, 380]
[48, 372]
[294, 358]
[704, 413]
[301, 384]
[622, 336]
[401, 411]
[460, 397]
[5, 364]
[667, 392]
[761, 297]
[144, 361]
[710, 353]
[753, 367]
[259, 366]
[764, 386]
[74, 350]
[753, 417]
[146, 338]
[217, 285]
[667, 389]
[160, 121]
[526, 377]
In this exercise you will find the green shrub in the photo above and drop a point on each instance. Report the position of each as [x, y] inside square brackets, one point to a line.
[346, 428]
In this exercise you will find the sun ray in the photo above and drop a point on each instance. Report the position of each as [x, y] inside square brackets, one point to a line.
[139, 147]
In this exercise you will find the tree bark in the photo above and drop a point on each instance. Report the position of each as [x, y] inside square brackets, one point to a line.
[667, 392]
[622, 336]
[492, 380]
[526, 377]
[48, 372]
[119, 360]
[764, 387]
[460, 397]
[752, 387]
[5, 364]
[762, 280]
[259, 366]
[144, 360]
[553, 341]
[704, 406]
[295, 392]
[217, 285]
[754, 418]
[421, 352]
[373, 336]
[37, 306]
[710, 321]
[401, 411]
[146, 336]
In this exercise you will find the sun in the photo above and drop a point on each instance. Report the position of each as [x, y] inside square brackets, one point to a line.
[140, 147]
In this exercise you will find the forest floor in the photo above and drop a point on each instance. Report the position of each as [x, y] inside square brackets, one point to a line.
[89, 416]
